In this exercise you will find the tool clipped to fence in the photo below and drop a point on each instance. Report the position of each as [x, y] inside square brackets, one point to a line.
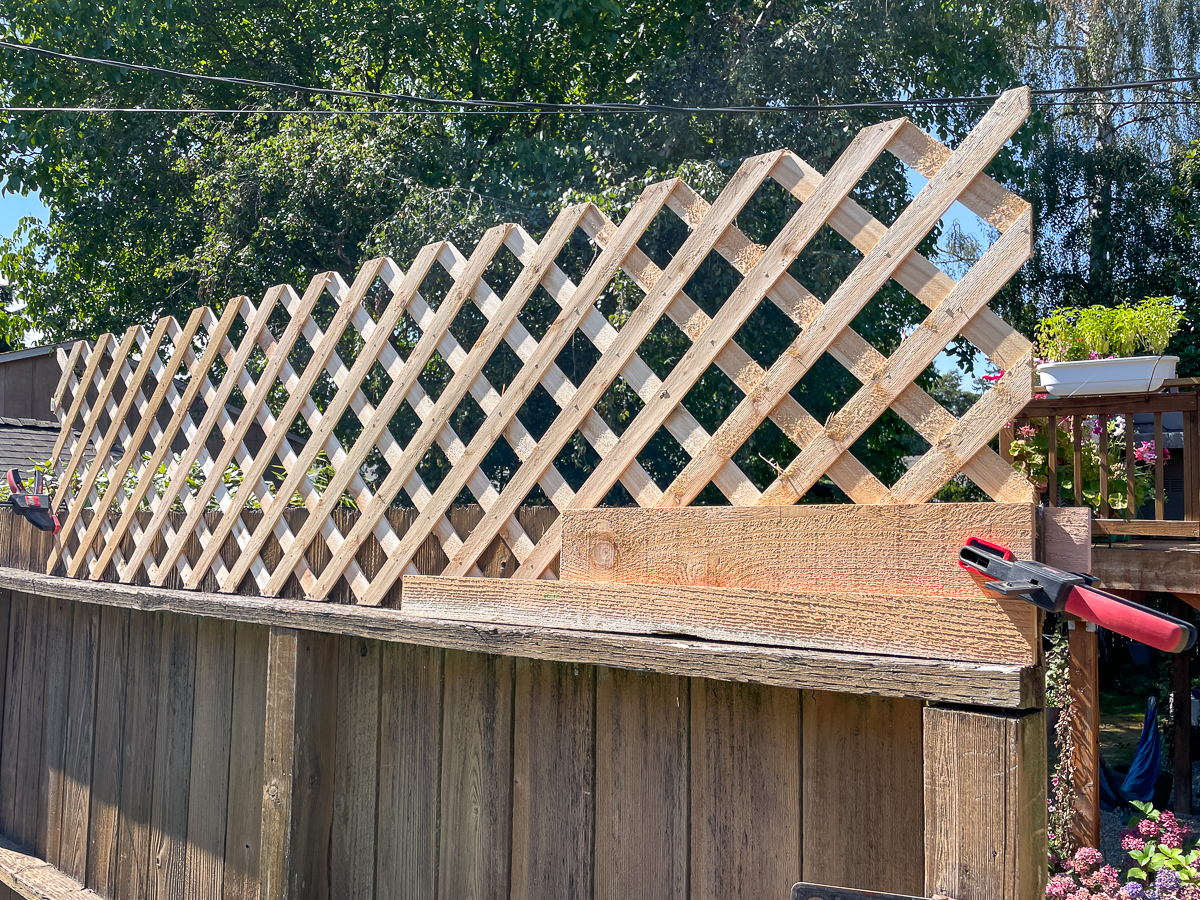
[804, 891]
[1056, 590]
[33, 505]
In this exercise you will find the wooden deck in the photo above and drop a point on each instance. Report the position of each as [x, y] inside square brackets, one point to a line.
[1149, 565]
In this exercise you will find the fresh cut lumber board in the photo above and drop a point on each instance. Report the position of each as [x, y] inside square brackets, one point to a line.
[858, 578]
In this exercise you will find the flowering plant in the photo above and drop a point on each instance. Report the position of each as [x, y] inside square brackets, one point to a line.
[1030, 453]
[1086, 877]
[1160, 847]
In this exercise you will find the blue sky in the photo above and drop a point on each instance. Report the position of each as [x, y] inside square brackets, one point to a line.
[13, 207]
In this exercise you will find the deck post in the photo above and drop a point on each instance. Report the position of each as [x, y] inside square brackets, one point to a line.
[1085, 731]
[985, 803]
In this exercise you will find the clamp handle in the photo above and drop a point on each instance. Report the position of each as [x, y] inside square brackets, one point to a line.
[1149, 626]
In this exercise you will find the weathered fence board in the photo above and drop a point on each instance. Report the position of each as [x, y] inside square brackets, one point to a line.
[421, 772]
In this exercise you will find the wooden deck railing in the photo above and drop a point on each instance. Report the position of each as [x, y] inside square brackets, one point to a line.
[1051, 419]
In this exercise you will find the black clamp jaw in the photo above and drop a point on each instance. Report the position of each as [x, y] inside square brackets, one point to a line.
[1043, 586]
[33, 505]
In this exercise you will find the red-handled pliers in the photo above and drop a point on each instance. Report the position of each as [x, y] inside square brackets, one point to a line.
[1055, 590]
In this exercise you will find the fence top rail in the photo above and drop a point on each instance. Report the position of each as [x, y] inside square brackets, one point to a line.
[202, 416]
[948, 681]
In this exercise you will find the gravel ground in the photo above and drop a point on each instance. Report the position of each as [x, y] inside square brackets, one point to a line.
[1112, 824]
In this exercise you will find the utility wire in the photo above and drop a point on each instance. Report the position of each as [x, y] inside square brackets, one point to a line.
[522, 107]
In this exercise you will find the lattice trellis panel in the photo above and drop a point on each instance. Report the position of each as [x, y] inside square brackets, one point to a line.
[170, 389]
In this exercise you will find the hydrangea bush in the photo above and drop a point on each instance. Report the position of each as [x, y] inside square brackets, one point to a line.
[1163, 858]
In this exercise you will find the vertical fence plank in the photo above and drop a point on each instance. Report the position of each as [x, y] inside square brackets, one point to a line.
[172, 757]
[476, 784]
[863, 753]
[1181, 706]
[746, 790]
[29, 754]
[409, 728]
[137, 757]
[76, 802]
[278, 757]
[985, 804]
[14, 695]
[553, 779]
[243, 831]
[352, 855]
[58, 675]
[107, 755]
[312, 782]
[212, 722]
[642, 722]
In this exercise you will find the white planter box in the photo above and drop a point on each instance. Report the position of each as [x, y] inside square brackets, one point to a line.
[1126, 375]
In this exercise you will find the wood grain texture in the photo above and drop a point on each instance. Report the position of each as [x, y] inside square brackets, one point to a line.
[1066, 537]
[746, 791]
[1084, 686]
[23, 875]
[949, 681]
[172, 758]
[477, 773]
[59, 621]
[642, 731]
[863, 753]
[912, 548]
[1170, 566]
[137, 763]
[981, 629]
[278, 764]
[208, 780]
[107, 756]
[27, 793]
[356, 770]
[313, 765]
[985, 804]
[553, 788]
[409, 728]
[244, 810]
[78, 752]
[14, 681]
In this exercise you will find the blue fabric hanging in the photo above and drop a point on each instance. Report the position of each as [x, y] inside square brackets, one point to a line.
[1139, 783]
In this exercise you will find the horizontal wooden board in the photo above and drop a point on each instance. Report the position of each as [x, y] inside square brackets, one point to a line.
[908, 550]
[979, 629]
[1172, 566]
[889, 676]
[28, 876]
[1146, 528]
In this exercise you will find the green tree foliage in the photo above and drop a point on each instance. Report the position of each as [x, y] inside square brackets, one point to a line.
[155, 214]
[1103, 174]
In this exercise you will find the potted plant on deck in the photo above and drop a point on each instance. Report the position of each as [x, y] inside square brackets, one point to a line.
[1091, 351]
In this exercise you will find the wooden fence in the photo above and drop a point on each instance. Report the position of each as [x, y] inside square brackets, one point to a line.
[137, 395]
[157, 743]
[710, 703]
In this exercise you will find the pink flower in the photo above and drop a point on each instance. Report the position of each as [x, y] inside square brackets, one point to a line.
[1027, 431]
[1086, 858]
[1131, 842]
[1060, 887]
[1105, 878]
[1147, 828]
[992, 379]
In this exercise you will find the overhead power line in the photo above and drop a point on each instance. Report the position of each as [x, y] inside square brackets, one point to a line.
[517, 107]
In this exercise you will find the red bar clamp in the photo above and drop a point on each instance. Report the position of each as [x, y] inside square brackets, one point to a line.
[33, 505]
[1055, 590]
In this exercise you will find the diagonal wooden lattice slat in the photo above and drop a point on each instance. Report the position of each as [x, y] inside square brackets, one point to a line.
[159, 420]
